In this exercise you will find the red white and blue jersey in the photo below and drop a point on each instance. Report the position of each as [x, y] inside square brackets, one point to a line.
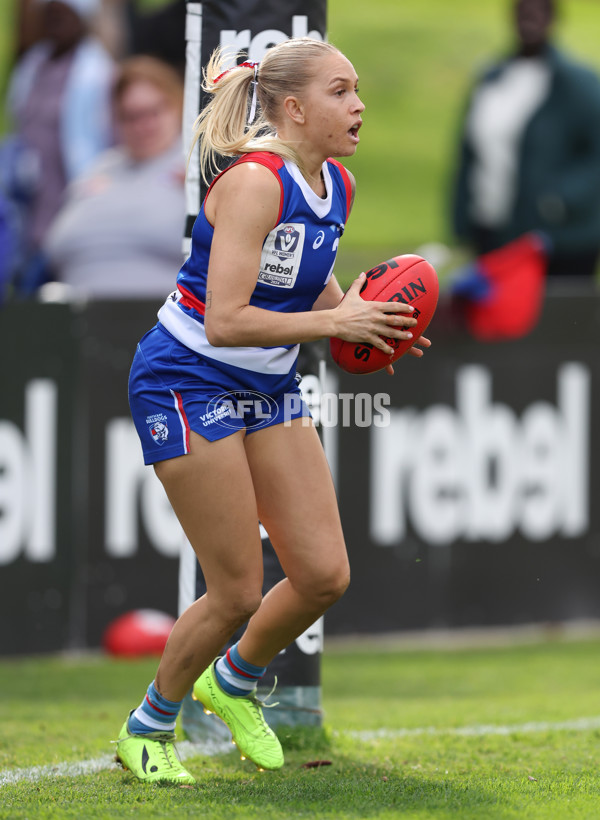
[296, 263]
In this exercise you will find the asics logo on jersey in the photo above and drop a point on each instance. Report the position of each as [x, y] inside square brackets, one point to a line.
[319, 240]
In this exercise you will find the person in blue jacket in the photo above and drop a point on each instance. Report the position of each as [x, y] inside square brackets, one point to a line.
[529, 156]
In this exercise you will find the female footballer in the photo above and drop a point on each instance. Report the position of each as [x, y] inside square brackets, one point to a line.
[258, 282]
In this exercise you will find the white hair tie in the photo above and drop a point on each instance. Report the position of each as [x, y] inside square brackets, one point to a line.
[252, 113]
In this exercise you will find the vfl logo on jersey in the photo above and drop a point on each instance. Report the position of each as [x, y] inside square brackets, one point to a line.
[286, 241]
[282, 255]
[158, 428]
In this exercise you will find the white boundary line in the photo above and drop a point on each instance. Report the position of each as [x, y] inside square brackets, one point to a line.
[82, 767]
[578, 724]
[215, 747]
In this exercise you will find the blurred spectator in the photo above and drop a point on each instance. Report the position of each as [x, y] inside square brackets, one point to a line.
[119, 235]
[59, 100]
[112, 27]
[109, 23]
[530, 152]
[29, 25]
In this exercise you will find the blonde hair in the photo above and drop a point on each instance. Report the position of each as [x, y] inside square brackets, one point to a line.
[222, 128]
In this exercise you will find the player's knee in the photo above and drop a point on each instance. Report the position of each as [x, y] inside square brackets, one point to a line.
[243, 606]
[329, 587]
[232, 607]
[339, 584]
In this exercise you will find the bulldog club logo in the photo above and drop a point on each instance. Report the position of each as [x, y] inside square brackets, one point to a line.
[158, 428]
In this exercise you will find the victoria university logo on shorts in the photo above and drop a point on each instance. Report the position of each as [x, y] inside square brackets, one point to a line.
[251, 408]
[157, 426]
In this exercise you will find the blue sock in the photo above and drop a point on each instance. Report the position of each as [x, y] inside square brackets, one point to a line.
[235, 675]
[154, 714]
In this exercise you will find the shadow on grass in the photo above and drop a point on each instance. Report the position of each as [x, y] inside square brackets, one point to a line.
[343, 789]
[346, 789]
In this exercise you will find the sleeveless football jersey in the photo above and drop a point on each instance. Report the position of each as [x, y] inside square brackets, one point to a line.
[296, 263]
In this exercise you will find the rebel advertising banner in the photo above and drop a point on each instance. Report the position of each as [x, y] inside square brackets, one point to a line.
[466, 481]
[86, 531]
[473, 489]
[37, 431]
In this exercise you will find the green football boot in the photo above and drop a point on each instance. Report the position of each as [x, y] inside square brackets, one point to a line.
[152, 757]
[243, 717]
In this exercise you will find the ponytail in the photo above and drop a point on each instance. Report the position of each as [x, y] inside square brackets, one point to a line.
[224, 127]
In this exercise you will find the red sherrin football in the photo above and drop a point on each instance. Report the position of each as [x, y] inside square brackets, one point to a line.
[407, 278]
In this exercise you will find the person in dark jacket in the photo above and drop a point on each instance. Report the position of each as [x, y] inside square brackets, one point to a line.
[530, 150]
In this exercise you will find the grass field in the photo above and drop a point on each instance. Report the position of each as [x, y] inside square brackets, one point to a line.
[507, 732]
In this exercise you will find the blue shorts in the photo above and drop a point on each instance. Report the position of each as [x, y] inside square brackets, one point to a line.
[173, 390]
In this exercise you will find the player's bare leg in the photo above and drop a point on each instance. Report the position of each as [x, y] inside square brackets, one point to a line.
[297, 504]
[298, 507]
[212, 495]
